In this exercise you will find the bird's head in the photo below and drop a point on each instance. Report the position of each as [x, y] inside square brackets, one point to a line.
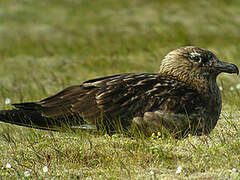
[194, 65]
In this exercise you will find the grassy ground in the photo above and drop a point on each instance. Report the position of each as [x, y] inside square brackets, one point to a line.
[48, 45]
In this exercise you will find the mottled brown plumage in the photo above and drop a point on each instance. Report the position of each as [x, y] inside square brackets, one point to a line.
[182, 98]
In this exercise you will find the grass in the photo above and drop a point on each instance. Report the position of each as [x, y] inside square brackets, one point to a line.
[48, 45]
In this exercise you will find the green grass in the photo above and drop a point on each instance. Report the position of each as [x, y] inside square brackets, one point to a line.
[48, 45]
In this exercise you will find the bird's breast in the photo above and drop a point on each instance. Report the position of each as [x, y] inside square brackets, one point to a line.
[213, 104]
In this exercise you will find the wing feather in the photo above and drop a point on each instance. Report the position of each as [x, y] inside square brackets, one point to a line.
[120, 96]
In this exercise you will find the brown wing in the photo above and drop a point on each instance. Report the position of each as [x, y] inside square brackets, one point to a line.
[121, 96]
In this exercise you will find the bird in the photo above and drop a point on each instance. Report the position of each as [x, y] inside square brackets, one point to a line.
[182, 98]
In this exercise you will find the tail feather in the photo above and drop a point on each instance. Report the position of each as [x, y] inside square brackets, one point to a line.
[34, 119]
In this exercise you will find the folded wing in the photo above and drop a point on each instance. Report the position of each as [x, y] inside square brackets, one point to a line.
[119, 97]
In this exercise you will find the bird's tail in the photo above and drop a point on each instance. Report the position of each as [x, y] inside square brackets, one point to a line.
[34, 119]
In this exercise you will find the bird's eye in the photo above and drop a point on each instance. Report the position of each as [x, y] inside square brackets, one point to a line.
[196, 58]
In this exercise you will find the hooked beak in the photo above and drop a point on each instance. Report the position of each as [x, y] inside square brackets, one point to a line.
[226, 67]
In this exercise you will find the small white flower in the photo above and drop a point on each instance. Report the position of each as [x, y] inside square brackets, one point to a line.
[27, 173]
[238, 86]
[232, 170]
[220, 87]
[45, 169]
[231, 88]
[179, 170]
[8, 166]
[7, 101]
[151, 172]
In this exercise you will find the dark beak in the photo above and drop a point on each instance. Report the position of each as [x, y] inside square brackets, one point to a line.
[226, 67]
